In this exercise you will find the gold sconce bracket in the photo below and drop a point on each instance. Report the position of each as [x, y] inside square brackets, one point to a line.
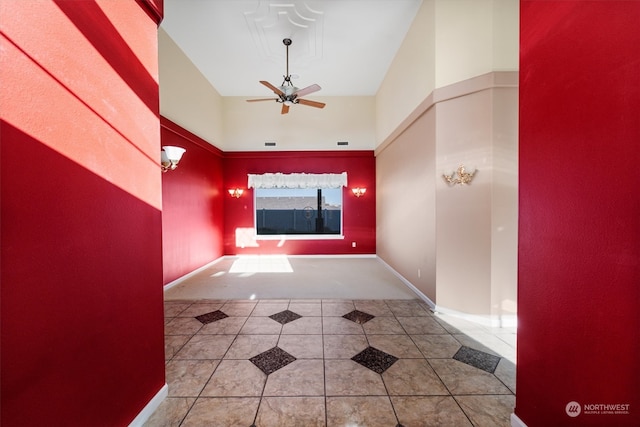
[459, 177]
[359, 191]
[236, 192]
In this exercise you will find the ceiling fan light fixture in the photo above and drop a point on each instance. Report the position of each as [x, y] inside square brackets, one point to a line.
[288, 89]
[287, 93]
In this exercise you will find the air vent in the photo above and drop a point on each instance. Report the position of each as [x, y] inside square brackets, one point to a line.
[343, 143]
[269, 144]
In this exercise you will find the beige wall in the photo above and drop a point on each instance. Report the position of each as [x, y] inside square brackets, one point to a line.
[186, 97]
[462, 238]
[248, 125]
[464, 212]
[506, 35]
[448, 42]
[411, 76]
[468, 244]
[464, 40]
[474, 37]
[504, 207]
[406, 208]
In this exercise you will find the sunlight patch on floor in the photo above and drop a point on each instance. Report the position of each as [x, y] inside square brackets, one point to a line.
[261, 264]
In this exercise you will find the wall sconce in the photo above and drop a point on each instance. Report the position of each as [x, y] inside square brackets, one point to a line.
[170, 156]
[460, 177]
[359, 191]
[236, 192]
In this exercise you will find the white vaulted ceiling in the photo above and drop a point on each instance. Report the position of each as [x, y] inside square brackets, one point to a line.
[345, 46]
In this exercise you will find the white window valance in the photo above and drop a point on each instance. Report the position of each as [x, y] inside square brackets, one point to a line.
[298, 180]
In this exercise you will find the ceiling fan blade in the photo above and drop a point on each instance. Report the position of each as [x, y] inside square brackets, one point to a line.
[285, 109]
[272, 87]
[311, 103]
[307, 90]
[262, 99]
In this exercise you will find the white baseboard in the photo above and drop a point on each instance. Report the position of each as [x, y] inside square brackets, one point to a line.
[517, 422]
[489, 320]
[408, 284]
[150, 408]
[194, 272]
[334, 256]
[204, 267]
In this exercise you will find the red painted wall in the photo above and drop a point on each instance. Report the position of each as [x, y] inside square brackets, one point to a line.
[359, 220]
[81, 296]
[579, 250]
[193, 204]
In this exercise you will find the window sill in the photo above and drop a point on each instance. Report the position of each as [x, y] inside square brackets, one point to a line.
[299, 237]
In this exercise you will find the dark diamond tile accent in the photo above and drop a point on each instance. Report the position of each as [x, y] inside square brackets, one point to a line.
[285, 317]
[478, 359]
[358, 316]
[374, 359]
[211, 317]
[272, 360]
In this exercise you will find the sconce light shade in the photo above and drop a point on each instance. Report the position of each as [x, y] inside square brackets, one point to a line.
[359, 191]
[236, 192]
[170, 156]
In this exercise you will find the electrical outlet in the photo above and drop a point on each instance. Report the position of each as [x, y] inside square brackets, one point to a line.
[353, 244]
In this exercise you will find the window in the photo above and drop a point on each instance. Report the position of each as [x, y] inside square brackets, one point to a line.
[298, 204]
[298, 211]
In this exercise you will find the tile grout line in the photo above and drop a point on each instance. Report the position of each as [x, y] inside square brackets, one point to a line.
[443, 382]
[384, 383]
[264, 386]
[255, 417]
[324, 366]
[324, 360]
[173, 358]
[221, 358]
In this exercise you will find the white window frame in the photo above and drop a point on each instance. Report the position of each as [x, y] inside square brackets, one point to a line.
[297, 181]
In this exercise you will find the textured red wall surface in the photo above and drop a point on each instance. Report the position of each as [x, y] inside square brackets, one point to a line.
[81, 297]
[193, 204]
[359, 219]
[579, 235]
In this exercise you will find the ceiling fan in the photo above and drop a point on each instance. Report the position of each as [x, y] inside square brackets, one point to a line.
[288, 94]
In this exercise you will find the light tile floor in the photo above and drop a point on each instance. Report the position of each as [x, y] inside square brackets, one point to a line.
[419, 368]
